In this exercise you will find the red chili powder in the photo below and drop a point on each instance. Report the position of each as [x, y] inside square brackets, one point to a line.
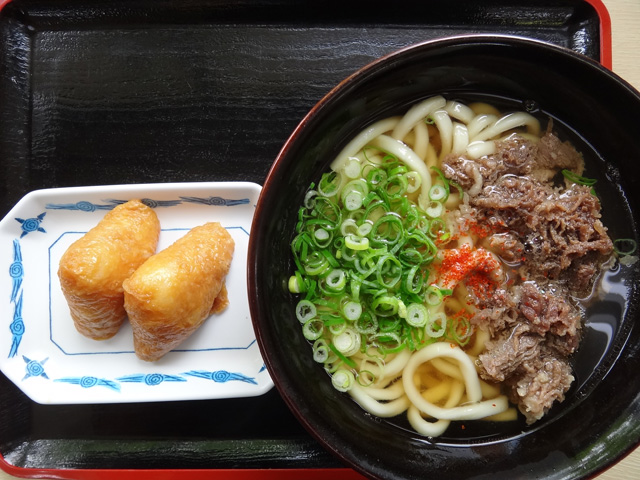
[475, 266]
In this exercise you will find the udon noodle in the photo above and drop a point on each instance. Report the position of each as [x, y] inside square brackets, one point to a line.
[389, 273]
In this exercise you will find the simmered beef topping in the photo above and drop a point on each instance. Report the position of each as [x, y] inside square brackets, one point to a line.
[553, 238]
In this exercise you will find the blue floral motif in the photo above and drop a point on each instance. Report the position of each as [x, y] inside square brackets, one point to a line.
[221, 376]
[31, 224]
[17, 328]
[35, 368]
[85, 206]
[82, 206]
[151, 203]
[216, 201]
[16, 270]
[89, 382]
[151, 379]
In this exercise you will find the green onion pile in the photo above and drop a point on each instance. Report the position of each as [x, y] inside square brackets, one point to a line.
[362, 252]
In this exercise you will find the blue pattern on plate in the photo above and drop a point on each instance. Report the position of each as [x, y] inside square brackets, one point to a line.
[216, 201]
[151, 379]
[89, 382]
[221, 376]
[35, 368]
[85, 206]
[17, 328]
[31, 224]
[16, 270]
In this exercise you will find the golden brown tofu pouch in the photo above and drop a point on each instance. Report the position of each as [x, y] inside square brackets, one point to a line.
[174, 291]
[93, 268]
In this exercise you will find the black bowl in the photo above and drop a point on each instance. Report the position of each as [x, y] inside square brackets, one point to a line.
[599, 422]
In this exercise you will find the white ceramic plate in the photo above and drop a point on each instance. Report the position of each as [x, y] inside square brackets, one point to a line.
[44, 355]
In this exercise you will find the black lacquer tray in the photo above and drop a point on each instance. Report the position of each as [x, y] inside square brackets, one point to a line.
[117, 92]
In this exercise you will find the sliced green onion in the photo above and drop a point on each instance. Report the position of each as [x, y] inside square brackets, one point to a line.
[402, 310]
[365, 229]
[387, 230]
[575, 178]
[396, 185]
[434, 209]
[366, 378]
[367, 323]
[461, 330]
[417, 315]
[445, 183]
[313, 329]
[436, 325]
[355, 242]
[330, 184]
[322, 237]
[352, 310]
[342, 380]
[353, 201]
[376, 177]
[434, 295]
[336, 280]
[346, 360]
[414, 279]
[414, 181]
[362, 252]
[388, 271]
[305, 310]
[338, 328]
[625, 246]
[352, 168]
[297, 284]
[347, 342]
[385, 306]
[437, 193]
[309, 199]
[320, 351]
[348, 226]
[388, 342]
[316, 264]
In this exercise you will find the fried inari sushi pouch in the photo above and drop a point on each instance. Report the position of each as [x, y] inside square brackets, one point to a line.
[174, 291]
[93, 268]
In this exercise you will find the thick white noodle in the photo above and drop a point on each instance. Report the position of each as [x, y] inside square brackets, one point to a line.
[385, 372]
[480, 148]
[459, 111]
[397, 364]
[445, 128]
[391, 392]
[509, 121]
[371, 405]
[362, 139]
[410, 159]
[433, 429]
[480, 122]
[447, 368]
[460, 138]
[416, 114]
[475, 409]
[425, 427]
[421, 144]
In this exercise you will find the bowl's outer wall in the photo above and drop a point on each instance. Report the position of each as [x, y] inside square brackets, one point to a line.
[596, 428]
